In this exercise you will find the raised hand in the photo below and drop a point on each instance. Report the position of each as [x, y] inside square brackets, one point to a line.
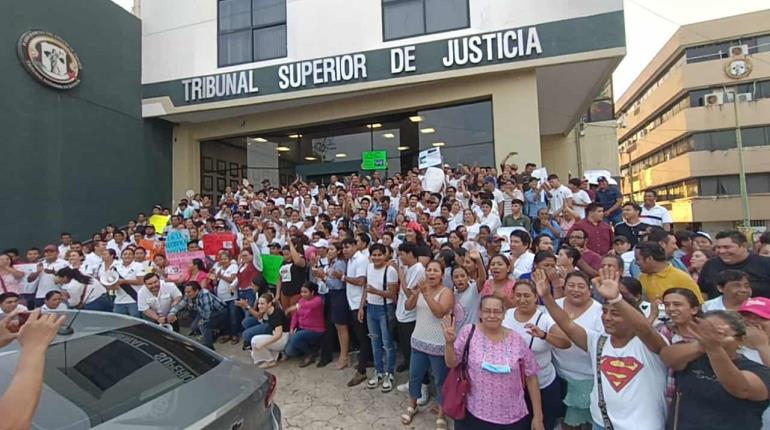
[40, 329]
[541, 282]
[709, 335]
[609, 287]
[448, 324]
[755, 337]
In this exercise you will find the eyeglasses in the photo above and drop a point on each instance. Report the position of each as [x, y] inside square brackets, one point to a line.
[492, 311]
[577, 237]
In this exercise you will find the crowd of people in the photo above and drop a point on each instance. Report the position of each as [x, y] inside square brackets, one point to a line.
[556, 304]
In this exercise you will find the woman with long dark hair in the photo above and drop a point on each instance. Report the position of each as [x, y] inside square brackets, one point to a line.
[81, 291]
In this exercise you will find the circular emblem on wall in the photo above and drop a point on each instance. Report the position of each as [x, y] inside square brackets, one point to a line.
[49, 59]
[738, 68]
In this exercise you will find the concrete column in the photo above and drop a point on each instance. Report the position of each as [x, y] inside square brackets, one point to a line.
[186, 162]
[516, 119]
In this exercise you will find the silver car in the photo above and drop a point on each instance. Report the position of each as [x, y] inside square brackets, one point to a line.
[117, 372]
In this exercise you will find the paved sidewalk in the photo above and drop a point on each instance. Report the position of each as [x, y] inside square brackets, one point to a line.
[313, 398]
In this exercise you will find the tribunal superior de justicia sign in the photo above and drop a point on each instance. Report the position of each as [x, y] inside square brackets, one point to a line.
[518, 44]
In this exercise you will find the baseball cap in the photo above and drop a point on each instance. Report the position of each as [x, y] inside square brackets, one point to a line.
[702, 234]
[489, 180]
[497, 238]
[274, 245]
[50, 248]
[759, 306]
[601, 178]
[621, 238]
[414, 225]
[321, 243]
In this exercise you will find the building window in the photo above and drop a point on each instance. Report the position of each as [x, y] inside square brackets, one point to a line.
[251, 30]
[407, 18]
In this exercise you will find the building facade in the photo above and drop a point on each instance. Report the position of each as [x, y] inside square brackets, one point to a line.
[677, 123]
[76, 152]
[275, 88]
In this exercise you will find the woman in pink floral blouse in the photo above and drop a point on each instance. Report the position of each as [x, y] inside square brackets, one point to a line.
[499, 366]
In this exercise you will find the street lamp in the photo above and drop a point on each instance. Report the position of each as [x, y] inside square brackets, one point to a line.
[741, 166]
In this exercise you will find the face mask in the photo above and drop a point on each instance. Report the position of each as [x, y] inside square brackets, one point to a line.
[495, 368]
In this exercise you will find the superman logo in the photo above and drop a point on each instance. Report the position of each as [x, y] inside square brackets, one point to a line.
[620, 370]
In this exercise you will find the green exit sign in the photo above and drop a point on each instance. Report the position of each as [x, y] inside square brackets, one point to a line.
[374, 160]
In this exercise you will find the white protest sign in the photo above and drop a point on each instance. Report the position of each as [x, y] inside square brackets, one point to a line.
[429, 157]
[433, 180]
[593, 176]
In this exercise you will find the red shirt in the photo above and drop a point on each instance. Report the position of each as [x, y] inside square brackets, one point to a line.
[246, 275]
[600, 236]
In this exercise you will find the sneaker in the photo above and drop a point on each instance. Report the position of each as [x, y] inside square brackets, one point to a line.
[387, 383]
[424, 396]
[403, 388]
[357, 379]
[375, 381]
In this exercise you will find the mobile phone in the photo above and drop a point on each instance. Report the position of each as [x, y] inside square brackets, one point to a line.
[16, 323]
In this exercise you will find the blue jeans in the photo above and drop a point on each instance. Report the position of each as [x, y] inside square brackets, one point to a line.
[419, 364]
[382, 339]
[303, 342]
[249, 295]
[252, 327]
[103, 303]
[217, 321]
[234, 326]
[127, 309]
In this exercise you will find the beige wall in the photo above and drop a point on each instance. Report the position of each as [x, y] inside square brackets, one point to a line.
[716, 209]
[513, 94]
[598, 149]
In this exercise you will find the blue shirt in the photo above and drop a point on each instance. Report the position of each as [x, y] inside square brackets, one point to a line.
[205, 304]
[607, 198]
[533, 204]
[332, 282]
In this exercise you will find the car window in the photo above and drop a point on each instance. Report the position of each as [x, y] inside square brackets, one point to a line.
[113, 372]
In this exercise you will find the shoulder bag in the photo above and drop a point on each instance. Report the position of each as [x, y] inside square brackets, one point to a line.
[457, 385]
[602, 403]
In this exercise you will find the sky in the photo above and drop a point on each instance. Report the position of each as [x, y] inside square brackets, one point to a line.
[649, 25]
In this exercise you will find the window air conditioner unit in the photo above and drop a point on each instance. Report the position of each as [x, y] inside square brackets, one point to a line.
[744, 97]
[713, 99]
[739, 50]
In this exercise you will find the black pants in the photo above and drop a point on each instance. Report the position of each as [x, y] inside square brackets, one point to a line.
[405, 339]
[329, 339]
[472, 423]
[361, 333]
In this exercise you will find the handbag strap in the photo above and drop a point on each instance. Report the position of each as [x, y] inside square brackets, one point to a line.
[2, 284]
[532, 337]
[602, 403]
[464, 361]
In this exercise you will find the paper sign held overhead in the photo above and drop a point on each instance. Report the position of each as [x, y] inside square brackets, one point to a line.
[429, 158]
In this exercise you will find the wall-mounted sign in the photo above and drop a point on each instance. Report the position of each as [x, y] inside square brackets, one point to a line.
[543, 40]
[374, 160]
[49, 59]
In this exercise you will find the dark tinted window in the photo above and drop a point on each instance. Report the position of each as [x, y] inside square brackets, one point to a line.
[251, 30]
[114, 372]
[405, 18]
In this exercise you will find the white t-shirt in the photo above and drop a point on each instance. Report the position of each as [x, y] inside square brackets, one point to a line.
[46, 281]
[580, 197]
[161, 303]
[93, 291]
[573, 362]
[472, 230]
[19, 308]
[117, 248]
[356, 269]
[374, 280]
[542, 350]
[656, 215]
[715, 304]
[558, 197]
[492, 221]
[523, 264]
[633, 383]
[131, 272]
[62, 307]
[413, 276]
[498, 195]
[92, 263]
[223, 287]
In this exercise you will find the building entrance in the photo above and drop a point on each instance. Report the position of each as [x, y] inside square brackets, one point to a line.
[464, 133]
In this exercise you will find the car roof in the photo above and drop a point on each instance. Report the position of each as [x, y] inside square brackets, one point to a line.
[84, 324]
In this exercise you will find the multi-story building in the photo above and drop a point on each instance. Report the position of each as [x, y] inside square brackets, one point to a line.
[275, 88]
[677, 123]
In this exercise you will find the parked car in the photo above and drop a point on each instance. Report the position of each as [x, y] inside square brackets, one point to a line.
[117, 372]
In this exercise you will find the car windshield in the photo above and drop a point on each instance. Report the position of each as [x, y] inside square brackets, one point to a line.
[110, 373]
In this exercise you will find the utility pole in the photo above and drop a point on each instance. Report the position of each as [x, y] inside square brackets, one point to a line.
[741, 166]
